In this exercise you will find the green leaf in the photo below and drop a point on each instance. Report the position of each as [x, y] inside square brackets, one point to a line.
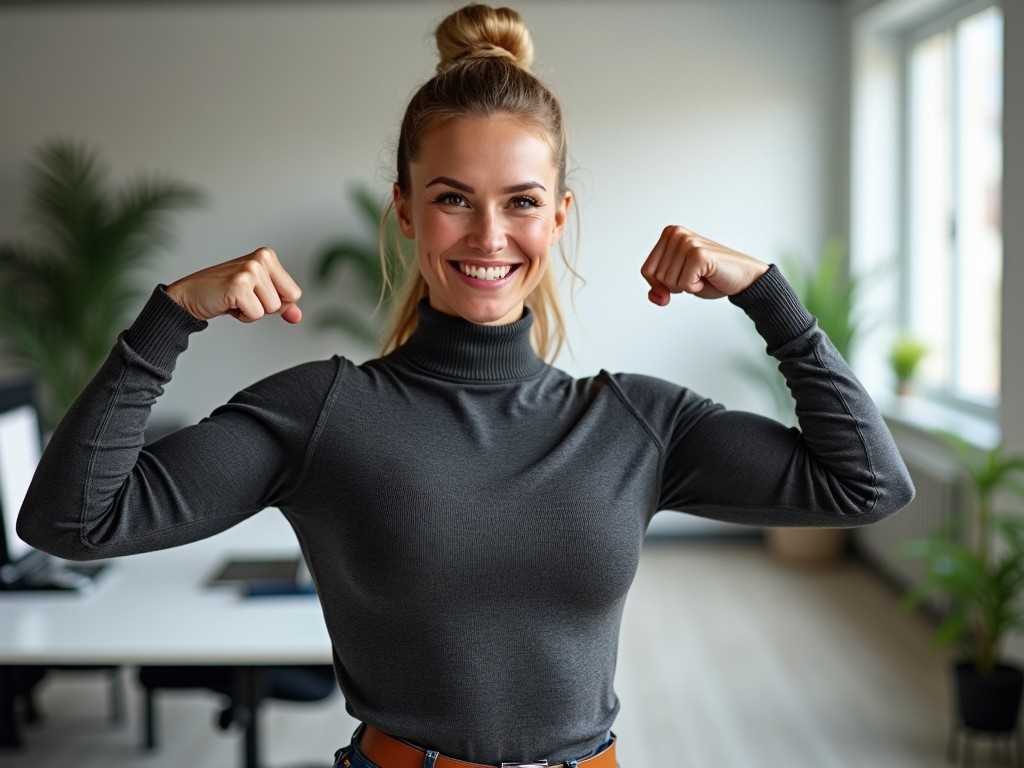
[371, 208]
[951, 630]
[349, 322]
[363, 257]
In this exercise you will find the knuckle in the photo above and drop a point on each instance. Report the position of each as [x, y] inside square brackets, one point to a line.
[264, 255]
[243, 279]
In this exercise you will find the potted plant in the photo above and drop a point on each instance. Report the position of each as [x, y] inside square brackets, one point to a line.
[905, 355]
[977, 560]
[68, 294]
[363, 259]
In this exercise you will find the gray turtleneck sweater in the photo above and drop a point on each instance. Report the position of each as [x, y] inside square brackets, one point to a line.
[472, 517]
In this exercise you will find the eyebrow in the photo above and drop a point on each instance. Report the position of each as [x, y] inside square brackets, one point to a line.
[524, 187]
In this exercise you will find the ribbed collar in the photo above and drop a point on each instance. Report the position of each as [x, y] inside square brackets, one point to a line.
[458, 349]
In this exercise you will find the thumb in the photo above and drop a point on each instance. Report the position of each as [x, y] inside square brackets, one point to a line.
[659, 293]
[291, 313]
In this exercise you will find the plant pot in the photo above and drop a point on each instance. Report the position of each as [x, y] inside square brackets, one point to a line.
[806, 546]
[988, 703]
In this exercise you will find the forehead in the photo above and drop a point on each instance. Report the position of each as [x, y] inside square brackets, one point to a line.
[498, 148]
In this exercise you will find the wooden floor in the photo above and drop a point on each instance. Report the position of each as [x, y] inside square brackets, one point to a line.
[728, 659]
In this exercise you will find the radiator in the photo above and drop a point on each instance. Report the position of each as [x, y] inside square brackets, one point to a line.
[938, 497]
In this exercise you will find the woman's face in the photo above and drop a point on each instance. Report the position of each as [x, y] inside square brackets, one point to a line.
[484, 210]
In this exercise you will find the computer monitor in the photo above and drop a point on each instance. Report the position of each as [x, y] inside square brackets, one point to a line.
[21, 447]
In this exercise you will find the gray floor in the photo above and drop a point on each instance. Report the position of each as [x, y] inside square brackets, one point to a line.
[728, 659]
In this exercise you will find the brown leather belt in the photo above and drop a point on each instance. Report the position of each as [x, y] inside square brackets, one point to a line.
[389, 752]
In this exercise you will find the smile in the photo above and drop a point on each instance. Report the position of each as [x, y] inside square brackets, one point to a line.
[488, 274]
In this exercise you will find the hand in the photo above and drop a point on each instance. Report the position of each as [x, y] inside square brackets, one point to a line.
[684, 262]
[246, 288]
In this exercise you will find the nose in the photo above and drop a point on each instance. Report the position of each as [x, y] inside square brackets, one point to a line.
[488, 233]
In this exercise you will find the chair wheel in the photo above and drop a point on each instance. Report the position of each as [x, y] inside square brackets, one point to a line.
[234, 715]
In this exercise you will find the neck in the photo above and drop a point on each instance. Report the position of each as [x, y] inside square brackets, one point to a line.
[458, 349]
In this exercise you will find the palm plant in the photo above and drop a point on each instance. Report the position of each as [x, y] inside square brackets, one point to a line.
[977, 560]
[68, 294]
[364, 257]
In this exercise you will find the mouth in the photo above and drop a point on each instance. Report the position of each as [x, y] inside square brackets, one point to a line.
[491, 274]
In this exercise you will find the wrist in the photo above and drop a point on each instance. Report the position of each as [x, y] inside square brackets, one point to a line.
[756, 272]
[177, 295]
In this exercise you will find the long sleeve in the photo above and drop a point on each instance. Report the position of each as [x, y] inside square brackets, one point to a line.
[840, 468]
[98, 492]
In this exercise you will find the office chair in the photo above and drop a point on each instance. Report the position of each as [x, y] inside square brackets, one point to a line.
[245, 688]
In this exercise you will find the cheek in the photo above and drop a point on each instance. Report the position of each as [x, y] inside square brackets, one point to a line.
[437, 233]
[534, 237]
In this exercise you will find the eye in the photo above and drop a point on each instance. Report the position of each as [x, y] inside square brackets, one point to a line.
[451, 198]
[523, 202]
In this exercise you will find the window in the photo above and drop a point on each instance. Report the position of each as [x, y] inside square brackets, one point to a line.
[952, 172]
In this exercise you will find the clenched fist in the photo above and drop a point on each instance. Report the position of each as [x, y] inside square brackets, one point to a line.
[685, 262]
[246, 288]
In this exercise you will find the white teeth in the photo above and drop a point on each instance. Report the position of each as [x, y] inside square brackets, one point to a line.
[485, 273]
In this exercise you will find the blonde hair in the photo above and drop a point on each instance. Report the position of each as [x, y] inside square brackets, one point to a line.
[484, 70]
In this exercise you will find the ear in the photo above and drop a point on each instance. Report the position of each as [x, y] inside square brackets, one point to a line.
[561, 216]
[403, 213]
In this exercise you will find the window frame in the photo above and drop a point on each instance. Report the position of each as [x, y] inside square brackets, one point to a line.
[942, 19]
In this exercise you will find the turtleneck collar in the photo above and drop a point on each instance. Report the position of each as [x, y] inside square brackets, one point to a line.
[458, 349]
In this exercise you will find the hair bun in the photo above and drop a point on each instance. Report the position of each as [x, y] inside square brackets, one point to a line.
[479, 31]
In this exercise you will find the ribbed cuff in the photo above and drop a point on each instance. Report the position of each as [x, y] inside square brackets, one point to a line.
[160, 332]
[776, 310]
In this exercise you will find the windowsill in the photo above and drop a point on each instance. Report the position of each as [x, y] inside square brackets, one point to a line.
[920, 417]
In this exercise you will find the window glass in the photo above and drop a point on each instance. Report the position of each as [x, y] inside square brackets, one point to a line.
[954, 178]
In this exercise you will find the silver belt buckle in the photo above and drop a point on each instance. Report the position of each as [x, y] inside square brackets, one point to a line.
[534, 764]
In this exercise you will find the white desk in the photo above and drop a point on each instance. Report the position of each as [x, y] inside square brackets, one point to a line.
[155, 609]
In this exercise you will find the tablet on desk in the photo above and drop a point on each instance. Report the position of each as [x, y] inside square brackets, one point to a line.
[257, 577]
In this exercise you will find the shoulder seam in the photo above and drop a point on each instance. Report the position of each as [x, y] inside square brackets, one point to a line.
[83, 523]
[621, 396]
[318, 428]
[870, 502]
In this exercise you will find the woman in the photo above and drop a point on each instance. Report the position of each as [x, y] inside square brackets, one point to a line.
[472, 517]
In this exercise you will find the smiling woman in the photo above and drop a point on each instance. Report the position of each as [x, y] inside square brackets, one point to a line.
[483, 218]
[484, 83]
[472, 516]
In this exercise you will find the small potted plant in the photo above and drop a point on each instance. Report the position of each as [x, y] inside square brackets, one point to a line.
[905, 355]
[977, 561]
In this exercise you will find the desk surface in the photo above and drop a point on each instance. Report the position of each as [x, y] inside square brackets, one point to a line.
[155, 609]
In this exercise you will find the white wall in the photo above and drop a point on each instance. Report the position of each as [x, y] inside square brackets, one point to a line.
[723, 116]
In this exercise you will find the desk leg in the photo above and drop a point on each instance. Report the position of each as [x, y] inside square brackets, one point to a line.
[9, 736]
[249, 691]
